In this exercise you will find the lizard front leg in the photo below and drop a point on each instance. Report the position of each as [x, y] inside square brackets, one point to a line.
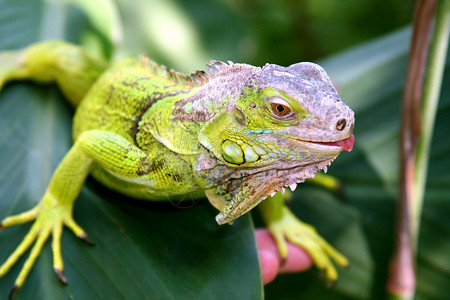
[329, 182]
[106, 149]
[285, 226]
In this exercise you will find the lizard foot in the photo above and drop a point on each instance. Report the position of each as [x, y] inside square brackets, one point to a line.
[290, 228]
[49, 220]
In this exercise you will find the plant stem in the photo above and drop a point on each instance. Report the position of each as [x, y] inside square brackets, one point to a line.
[429, 104]
[401, 282]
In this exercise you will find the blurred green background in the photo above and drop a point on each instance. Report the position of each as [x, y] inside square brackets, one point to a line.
[188, 33]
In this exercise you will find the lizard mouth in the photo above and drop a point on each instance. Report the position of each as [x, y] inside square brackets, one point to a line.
[285, 178]
[346, 144]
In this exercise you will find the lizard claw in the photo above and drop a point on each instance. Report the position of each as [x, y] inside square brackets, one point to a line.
[331, 283]
[84, 237]
[60, 276]
[13, 292]
[48, 221]
[306, 237]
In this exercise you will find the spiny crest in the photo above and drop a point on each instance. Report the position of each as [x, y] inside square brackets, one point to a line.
[215, 66]
[196, 78]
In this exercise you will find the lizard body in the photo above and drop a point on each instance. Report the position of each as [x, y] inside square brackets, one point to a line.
[238, 134]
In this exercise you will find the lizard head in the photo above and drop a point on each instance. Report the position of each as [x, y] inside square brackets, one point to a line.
[286, 124]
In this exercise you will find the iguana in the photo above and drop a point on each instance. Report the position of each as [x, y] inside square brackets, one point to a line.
[238, 134]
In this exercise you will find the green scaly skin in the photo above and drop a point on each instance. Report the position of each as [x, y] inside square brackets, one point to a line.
[239, 135]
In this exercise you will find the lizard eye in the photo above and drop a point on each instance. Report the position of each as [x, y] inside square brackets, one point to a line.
[280, 108]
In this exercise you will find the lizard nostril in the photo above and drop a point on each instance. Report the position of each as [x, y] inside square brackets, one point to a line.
[340, 125]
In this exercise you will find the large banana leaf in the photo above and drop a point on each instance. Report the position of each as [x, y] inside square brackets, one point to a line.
[146, 251]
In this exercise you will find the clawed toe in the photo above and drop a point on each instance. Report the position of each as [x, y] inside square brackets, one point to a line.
[331, 283]
[60, 276]
[289, 228]
[84, 237]
[48, 222]
[13, 291]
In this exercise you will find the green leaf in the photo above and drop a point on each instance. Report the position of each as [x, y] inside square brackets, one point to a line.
[143, 250]
[104, 16]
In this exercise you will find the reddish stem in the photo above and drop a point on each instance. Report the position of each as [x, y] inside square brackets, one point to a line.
[402, 269]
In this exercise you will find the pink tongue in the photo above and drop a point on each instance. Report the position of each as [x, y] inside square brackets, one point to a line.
[346, 144]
